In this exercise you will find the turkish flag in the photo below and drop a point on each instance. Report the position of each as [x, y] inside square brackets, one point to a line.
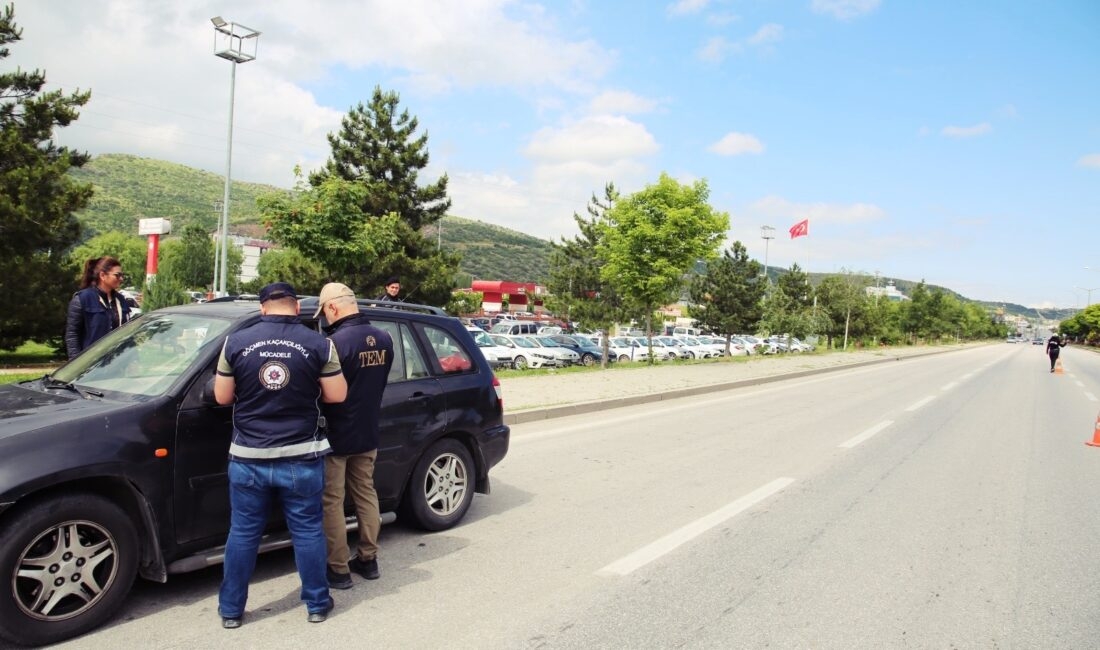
[801, 228]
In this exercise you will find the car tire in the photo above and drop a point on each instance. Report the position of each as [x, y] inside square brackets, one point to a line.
[588, 359]
[57, 539]
[520, 363]
[623, 358]
[441, 488]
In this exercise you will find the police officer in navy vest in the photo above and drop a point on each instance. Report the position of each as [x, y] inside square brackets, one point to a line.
[275, 373]
[366, 354]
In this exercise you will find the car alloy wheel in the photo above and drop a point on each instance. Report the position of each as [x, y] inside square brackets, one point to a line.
[71, 562]
[442, 486]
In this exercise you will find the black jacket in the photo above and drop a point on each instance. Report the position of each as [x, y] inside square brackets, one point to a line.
[90, 317]
[366, 354]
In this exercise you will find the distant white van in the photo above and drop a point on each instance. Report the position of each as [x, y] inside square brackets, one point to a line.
[689, 331]
[511, 328]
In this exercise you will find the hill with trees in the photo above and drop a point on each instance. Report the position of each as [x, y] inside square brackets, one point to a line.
[128, 188]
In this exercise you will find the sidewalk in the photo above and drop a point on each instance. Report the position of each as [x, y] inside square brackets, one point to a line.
[558, 395]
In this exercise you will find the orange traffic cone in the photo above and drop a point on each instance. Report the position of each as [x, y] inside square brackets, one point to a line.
[1058, 368]
[1095, 434]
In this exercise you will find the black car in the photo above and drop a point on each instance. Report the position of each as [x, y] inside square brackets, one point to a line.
[115, 464]
[591, 353]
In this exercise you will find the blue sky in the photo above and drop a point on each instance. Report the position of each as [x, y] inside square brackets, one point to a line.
[953, 142]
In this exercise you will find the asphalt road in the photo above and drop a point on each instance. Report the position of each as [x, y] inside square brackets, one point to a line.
[947, 501]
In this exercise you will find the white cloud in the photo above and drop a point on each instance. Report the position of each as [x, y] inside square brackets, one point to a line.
[769, 33]
[598, 138]
[621, 102]
[844, 9]
[735, 144]
[682, 7]
[158, 90]
[778, 208]
[1090, 160]
[716, 49]
[721, 19]
[967, 131]
[924, 131]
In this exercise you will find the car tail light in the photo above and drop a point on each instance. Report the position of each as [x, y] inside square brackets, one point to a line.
[500, 392]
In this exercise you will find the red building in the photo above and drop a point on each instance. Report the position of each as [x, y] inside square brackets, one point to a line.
[519, 295]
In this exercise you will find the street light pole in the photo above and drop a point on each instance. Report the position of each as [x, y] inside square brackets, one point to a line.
[237, 44]
[767, 233]
[1088, 292]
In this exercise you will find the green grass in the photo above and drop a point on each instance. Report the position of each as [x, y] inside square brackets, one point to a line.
[30, 354]
[15, 377]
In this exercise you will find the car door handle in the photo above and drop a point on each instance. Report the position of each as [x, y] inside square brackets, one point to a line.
[418, 397]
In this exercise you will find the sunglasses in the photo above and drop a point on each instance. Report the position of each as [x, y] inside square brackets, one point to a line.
[118, 275]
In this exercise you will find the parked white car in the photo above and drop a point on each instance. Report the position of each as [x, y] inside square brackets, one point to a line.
[698, 349]
[498, 356]
[527, 354]
[566, 356]
[661, 352]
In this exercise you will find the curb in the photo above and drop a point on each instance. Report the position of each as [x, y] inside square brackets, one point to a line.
[580, 408]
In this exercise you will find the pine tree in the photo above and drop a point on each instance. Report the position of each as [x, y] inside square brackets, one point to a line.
[37, 200]
[378, 147]
[727, 298]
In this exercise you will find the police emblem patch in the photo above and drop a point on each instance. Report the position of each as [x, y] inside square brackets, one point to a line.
[274, 375]
[371, 342]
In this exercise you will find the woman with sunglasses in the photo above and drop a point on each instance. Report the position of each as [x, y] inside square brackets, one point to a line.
[98, 307]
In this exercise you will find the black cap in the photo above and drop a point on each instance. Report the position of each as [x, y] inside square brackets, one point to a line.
[393, 279]
[277, 290]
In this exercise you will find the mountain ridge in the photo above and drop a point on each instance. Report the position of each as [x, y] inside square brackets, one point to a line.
[129, 187]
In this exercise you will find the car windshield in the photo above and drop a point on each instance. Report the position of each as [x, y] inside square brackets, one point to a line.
[146, 357]
[524, 342]
[548, 342]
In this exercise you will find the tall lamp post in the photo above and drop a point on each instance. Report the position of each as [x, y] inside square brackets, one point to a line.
[1088, 291]
[237, 44]
[767, 233]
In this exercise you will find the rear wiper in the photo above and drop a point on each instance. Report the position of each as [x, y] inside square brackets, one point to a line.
[50, 382]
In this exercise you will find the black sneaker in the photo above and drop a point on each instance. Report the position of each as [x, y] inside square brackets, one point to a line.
[366, 568]
[338, 580]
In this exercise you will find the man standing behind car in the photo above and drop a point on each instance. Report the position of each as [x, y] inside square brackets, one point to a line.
[276, 370]
[366, 354]
[393, 288]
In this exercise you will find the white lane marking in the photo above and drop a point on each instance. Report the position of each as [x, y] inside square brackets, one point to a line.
[950, 386]
[967, 375]
[921, 403]
[1080, 384]
[643, 556]
[1092, 398]
[855, 440]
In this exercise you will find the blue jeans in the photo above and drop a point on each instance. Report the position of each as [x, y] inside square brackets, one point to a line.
[252, 487]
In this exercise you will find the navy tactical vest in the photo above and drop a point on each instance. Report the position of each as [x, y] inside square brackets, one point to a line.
[366, 354]
[276, 365]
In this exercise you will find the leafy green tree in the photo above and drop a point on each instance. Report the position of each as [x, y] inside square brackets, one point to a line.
[378, 149]
[727, 298]
[577, 290]
[37, 200]
[163, 292]
[326, 224]
[189, 259]
[465, 302]
[129, 250]
[842, 299]
[653, 237]
[290, 265]
[789, 308]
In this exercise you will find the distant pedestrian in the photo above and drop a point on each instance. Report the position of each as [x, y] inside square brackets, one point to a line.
[366, 354]
[1054, 346]
[274, 373]
[393, 288]
[98, 307]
